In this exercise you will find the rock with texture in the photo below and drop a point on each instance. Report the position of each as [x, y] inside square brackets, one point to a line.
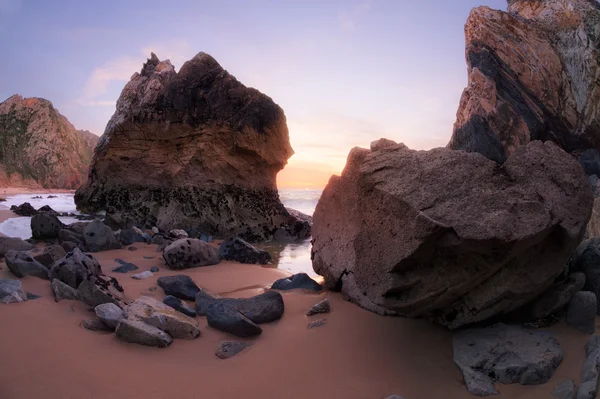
[192, 149]
[75, 267]
[97, 290]
[299, 280]
[239, 250]
[12, 291]
[109, 313]
[13, 243]
[586, 259]
[21, 264]
[48, 255]
[95, 324]
[25, 209]
[533, 75]
[588, 388]
[190, 252]
[163, 317]
[45, 226]
[99, 237]
[316, 323]
[63, 291]
[39, 147]
[449, 235]
[320, 307]
[130, 236]
[179, 305]
[564, 389]
[557, 297]
[581, 312]
[179, 286]
[229, 349]
[137, 332]
[506, 354]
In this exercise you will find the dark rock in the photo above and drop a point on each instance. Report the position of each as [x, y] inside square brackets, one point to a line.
[241, 316]
[159, 239]
[109, 313]
[320, 307]
[66, 235]
[178, 234]
[125, 268]
[21, 264]
[68, 246]
[229, 349]
[99, 237]
[203, 300]
[190, 252]
[564, 389]
[138, 332]
[75, 267]
[48, 209]
[179, 305]
[95, 325]
[24, 209]
[581, 312]
[507, 354]
[52, 196]
[590, 160]
[586, 259]
[132, 248]
[179, 286]
[153, 288]
[12, 291]
[130, 236]
[590, 374]
[153, 269]
[13, 243]
[31, 296]
[316, 323]
[96, 290]
[45, 226]
[239, 250]
[49, 255]
[300, 280]
[557, 297]
[63, 291]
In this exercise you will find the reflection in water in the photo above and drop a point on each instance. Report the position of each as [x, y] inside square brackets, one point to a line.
[293, 257]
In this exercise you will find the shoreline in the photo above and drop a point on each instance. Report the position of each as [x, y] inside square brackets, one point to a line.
[8, 191]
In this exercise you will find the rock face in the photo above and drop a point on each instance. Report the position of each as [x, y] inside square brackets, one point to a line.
[533, 75]
[39, 147]
[449, 235]
[193, 149]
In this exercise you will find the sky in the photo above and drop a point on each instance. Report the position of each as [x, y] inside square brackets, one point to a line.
[345, 72]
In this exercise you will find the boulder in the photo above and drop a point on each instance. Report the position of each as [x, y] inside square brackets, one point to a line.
[95, 324]
[24, 209]
[564, 389]
[557, 297]
[99, 237]
[180, 286]
[159, 315]
[590, 374]
[63, 291]
[581, 312]
[179, 305]
[75, 267]
[137, 332]
[13, 243]
[533, 75]
[586, 260]
[45, 226]
[207, 160]
[48, 255]
[97, 290]
[190, 252]
[300, 280]
[21, 264]
[109, 313]
[229, 349]
[241, 316]
[178, 234]
[203, 300]
[449, 235]
[320, 307]
[66, 235]
[12, 291]
[506, 354]
[239, 250]
[130, 236]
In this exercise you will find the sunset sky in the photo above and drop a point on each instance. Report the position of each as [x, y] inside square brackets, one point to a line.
[345, 72]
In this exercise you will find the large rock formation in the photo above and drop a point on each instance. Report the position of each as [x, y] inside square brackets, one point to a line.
[534, 74]
[449, 235]
[195, 148]
[39, 147]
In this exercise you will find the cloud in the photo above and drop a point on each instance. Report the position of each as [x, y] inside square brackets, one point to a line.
[348, 18]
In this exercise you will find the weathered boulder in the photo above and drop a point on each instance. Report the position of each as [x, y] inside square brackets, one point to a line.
[75, 267]
[109, 313]
[48, 255]
[533, 75]
[13, 243]
[590, 374]
[74, 239]
[229, 349]
[506, 354]
[159, 315]
[581, 312]
[97, 290]
[194, 148]
[137, 332]
[25, 209]
[179, 286]
[99, 237]
[299, 280]
[449, 235]
[63, 291]
[564, 389]
[203, 300]
[190, 252]
[586, 259]
[12, 291]
[21, 264]
[557, 297]
[130, 236]
[45, 226]
[239, 250]
[179, 305]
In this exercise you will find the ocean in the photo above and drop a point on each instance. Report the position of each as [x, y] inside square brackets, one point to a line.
[294, 257]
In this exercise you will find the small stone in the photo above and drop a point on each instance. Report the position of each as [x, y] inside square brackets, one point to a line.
[229, 349]
[149, 257]
[95, 325]
[320, 307]
[394, 397]
[178, 234]
[153, 288]
[565, 389]
[581, 312]
[179, 305]
[138, 332]
[316, 323]
[109, 313]
[143, 275]
[154, 269]
[300, 280]
[125, 268]
[132, 248]
[31, 296]
[63, 291]
[21, 264]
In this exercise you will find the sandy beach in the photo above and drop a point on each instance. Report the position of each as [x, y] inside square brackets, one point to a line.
[356, 354]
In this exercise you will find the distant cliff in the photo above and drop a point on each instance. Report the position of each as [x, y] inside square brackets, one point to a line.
[39, 147]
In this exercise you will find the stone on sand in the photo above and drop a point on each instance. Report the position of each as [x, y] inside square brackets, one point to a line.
[239, 250]
[21, 264]
[190, 252]
[300, 280]
[137, 332]
[229, 349]
[581, 312]
[109, 313]
[180, 286]
[179, 305]
[320, 307]
[63, 291]
[12, 291]
[159, 315]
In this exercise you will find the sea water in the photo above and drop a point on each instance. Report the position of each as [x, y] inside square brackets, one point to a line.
[293, 257]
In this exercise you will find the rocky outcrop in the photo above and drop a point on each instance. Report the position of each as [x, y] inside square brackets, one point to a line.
[533, 75]
[449, 235]
[193, 149]
[39, 147]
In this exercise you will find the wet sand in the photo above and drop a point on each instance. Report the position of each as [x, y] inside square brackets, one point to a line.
[355, 355]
